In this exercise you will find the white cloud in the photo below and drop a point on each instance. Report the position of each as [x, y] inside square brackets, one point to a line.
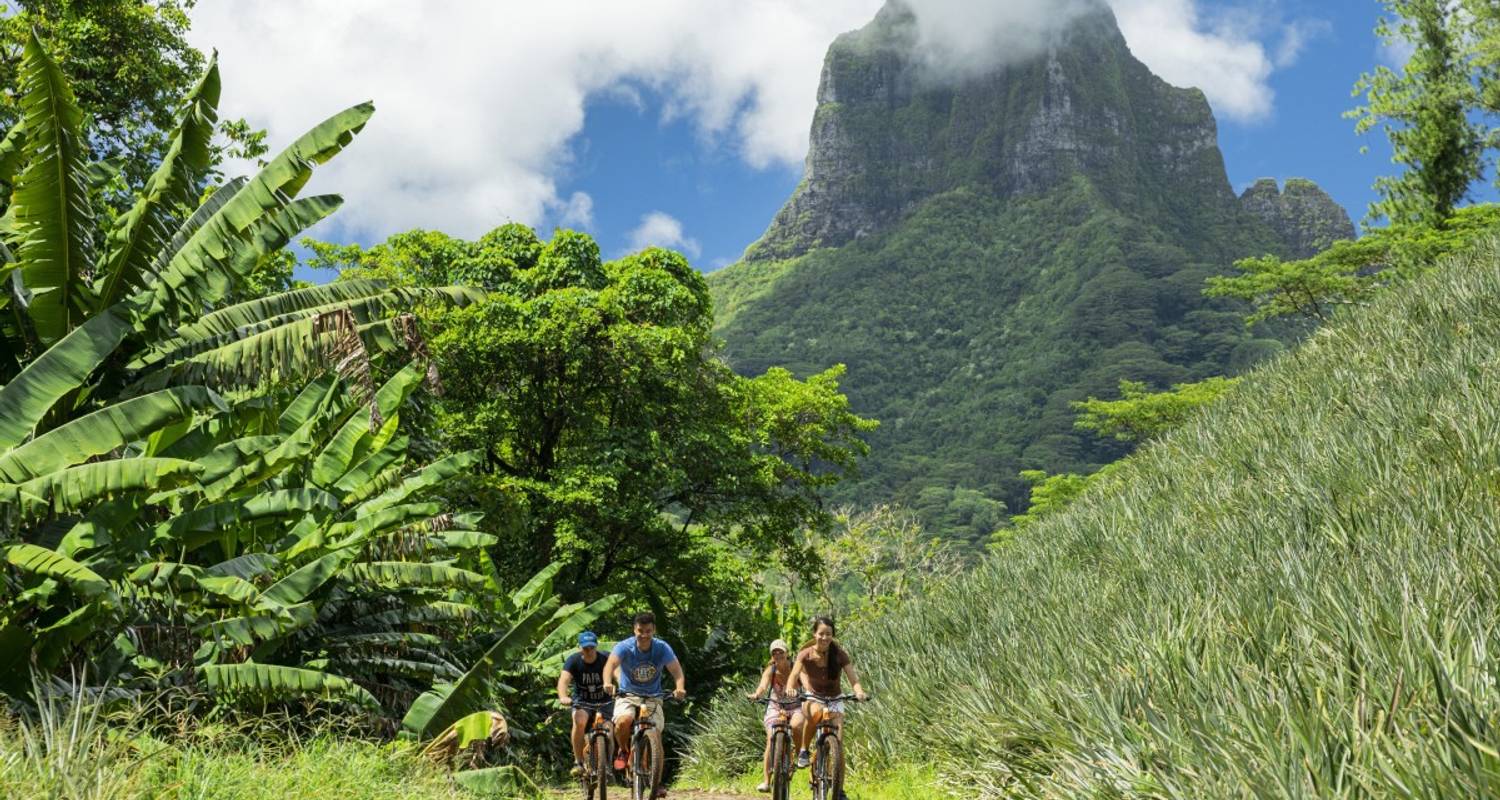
[1295, 37]
[575, 212]
[1230, 68]
[477, 101]
[658, 229]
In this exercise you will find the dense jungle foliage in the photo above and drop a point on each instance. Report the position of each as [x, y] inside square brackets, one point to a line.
[221, 497]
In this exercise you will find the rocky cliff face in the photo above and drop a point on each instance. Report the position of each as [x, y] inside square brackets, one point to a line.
[889, 133]
[1302, 215]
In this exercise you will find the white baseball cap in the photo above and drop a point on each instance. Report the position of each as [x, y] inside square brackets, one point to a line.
[780, 644]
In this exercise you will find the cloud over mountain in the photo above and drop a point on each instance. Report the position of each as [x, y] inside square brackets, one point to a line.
[478, 101]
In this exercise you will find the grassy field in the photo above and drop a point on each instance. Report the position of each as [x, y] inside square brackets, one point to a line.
[1295, 595]
[74, 753]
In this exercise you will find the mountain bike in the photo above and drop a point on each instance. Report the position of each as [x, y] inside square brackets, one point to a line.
[828, 753]
[781, 747]
[598, 752]
[643, 771]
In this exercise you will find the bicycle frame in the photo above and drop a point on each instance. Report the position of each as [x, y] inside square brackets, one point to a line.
[827, 780]
[640, 731]
[600, 739]
[781, 731]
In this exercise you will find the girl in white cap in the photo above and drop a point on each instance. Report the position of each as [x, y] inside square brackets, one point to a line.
[774, 677]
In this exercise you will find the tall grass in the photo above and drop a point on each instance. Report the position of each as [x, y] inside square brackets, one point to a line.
[69, 749]
[1296, 595]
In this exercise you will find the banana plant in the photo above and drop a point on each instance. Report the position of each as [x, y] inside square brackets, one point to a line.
[165, 498]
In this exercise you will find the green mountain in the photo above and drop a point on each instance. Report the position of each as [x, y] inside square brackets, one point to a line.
[982, 251]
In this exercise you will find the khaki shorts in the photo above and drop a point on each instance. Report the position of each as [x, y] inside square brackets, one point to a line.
[628, 704]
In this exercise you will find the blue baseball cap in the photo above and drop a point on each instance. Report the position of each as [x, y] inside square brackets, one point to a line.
[588, 639]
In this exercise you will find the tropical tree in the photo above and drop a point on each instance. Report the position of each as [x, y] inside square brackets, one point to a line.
[1428, 111]
[129, 63]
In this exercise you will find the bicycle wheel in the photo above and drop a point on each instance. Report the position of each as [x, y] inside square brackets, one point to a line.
[653, 743]
[781, 766]
[835, 771]
[640, 767]
[825, 768]
[600, 767]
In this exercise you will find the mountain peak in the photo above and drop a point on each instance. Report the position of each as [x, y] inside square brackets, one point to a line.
[899, 122]
[895, 126]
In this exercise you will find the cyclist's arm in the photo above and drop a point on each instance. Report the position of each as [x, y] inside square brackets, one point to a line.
[610, 668]
[853, 676]
[765, 682]
[564, 680]
[797, 679]
[675, 667]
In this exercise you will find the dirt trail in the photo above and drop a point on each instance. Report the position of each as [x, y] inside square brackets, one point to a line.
[678, 794]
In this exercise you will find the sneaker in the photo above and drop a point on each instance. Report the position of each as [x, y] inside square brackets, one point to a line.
[764, 787]
[661, 791]
[804, 759]
[620, 759]
[576, 770]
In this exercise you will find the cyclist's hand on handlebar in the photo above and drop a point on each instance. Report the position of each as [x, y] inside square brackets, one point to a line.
[565, 701]
[609, 689]
[679, 694]
[861, 696]
[752, 696]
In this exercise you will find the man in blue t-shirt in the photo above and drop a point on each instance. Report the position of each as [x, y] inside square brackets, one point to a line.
[638, 663]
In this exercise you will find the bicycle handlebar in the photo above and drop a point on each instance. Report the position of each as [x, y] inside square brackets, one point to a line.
[584, 705]
[658, 696]
[785, 701]
[839, 699]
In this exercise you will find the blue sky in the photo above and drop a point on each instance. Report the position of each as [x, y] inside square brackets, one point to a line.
[685, 122]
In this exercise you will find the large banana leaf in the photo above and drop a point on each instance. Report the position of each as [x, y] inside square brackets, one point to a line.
[411, 574]
[429, 476]
[572, 620]
[271, 233]
[211, 334]
[261, 625]
[161, 575]
[377, 462]
[105, 430]
[270, 682]
[444, 705]
[63, 367]
[283, 353]
[51, 199]
[246, 567]
[142, 232]
[535, 589]
[262, 309]
[75, 488]
[49, 564]
[12, 151]
[304, 580]
[506, 781]
[185, 232]
[189, 283]
[192, 529]
[354, 440]
[313, 398]
[373, 665]
[347, 534]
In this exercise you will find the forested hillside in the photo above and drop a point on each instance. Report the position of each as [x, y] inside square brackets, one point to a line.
[983, 252]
